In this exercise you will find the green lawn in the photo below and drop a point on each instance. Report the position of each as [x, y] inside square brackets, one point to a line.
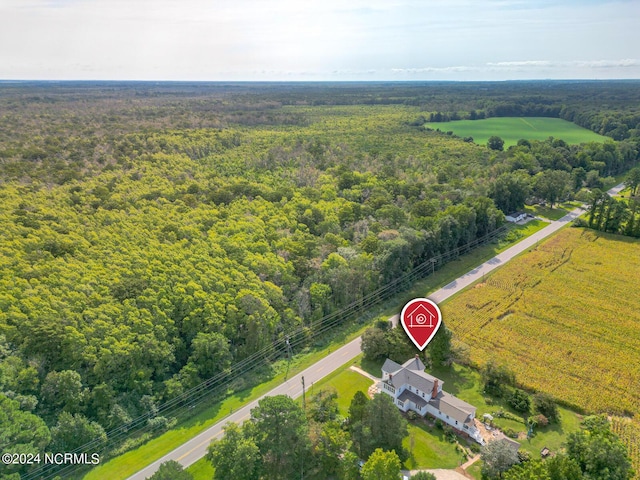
[520, 232]
[558, 211]
[512, 129]
[201, 470]
[345, 382]
[130, 462]
[430, 449]
[553, 436]
[427, 446]
[475, 470]
[466, 384]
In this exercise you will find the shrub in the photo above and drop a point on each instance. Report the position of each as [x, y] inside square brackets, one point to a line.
[423, 476]
[159, 423]
[496, 377]
[449, 434]
[524, 456]
[541, 420]
[519, 401]
[510, 432]
[579, 222]
[545, 405]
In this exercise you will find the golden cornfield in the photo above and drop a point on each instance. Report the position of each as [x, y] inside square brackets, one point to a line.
[629, 431]
[565, 317]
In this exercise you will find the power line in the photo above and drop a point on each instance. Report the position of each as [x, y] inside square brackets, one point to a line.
[284, 345]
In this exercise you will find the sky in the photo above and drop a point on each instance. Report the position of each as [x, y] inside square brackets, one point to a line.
[310, 40]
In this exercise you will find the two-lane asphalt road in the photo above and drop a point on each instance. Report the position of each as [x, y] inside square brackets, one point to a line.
[196, 448]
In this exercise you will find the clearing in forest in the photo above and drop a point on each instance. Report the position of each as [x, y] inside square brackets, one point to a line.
[565, 317]
[512, 129]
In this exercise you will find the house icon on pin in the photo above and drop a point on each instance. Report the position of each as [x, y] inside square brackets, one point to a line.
[421, 317]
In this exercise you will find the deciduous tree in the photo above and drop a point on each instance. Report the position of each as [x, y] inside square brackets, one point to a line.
[171, 470]
[381, 465]
[599, 453]
[73, 431]
[495, 143]
[544, 404]
[235, 455]
[551, 185]
[498, 457]
[423, 476]
[20, 432]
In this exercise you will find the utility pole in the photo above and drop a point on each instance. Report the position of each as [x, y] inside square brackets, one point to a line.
[289, 355]
[304, 407]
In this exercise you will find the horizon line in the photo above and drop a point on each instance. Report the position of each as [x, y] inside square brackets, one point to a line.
[72, 80]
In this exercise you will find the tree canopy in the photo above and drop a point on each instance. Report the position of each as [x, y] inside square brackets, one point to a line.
[154, 236]
[495, 143]
[381, 465]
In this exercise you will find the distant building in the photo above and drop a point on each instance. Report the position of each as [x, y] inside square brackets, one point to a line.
[515, 217]
[413, 389]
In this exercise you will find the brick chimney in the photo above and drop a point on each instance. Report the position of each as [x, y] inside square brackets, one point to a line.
[434, 392]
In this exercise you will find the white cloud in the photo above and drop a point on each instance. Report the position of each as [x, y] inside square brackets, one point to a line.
[627, 62]
[525, 63]
[279, 39]
[458, 68]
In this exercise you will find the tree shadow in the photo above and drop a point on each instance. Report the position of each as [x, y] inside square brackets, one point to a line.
[455, 381]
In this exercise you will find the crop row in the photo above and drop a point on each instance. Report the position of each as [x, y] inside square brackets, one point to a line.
[629, 432]
[559, 318]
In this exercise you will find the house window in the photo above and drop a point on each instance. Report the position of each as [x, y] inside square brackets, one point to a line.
[456, 422]
[447, 417]
[466, 427]
[422, 394]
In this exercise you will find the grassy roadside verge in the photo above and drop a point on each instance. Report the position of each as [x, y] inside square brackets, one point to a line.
[427, 444]
[128, 463]
[556, 213]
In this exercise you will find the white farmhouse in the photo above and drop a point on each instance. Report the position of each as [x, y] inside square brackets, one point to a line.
[515, 217]
[414, 389]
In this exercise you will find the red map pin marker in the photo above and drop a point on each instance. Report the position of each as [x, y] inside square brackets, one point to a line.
[421, 319]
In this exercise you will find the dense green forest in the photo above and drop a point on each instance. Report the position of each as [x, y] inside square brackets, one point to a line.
[612, 215]
[155, 234]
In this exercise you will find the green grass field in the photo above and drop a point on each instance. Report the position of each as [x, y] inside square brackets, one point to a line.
[512, 129]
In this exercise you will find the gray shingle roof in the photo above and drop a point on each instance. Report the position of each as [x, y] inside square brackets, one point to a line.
[454, 407]
[407, 395]
[420, 380]
[414, 364]
[389, 366]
